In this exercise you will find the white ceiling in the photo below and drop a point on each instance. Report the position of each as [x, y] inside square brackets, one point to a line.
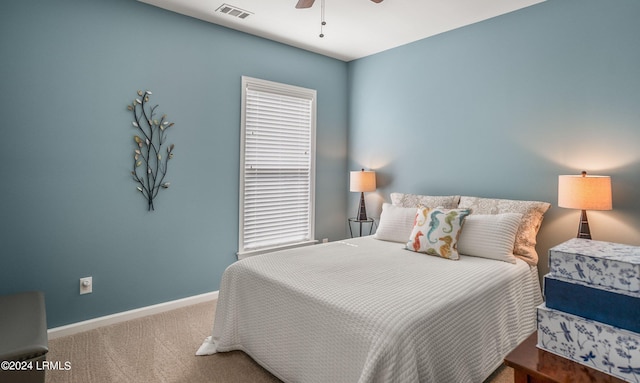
[354, 29]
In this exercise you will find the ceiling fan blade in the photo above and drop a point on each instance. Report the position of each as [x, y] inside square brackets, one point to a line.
[377, 1]
[306, 3]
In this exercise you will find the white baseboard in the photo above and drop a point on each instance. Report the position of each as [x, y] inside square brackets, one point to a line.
[94, 323]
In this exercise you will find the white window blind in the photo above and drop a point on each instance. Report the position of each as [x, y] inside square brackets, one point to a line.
[277, 169]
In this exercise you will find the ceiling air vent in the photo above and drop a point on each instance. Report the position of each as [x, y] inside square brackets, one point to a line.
[233, 11]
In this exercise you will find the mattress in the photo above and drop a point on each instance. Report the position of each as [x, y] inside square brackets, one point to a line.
[365, 310]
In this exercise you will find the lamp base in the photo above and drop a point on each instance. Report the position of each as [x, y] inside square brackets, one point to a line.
[362, 209]
[583, 228]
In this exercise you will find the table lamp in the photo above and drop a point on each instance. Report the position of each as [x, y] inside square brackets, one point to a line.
[585, 193]
[362, 181]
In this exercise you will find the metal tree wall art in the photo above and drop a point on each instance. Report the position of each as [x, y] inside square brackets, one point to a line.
[150, 160]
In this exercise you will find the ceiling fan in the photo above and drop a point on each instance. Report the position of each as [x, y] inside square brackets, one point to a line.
[309, 3]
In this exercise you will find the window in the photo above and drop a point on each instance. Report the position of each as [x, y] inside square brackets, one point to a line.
[277, 166]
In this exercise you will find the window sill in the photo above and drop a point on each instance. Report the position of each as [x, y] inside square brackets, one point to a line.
[249, 253]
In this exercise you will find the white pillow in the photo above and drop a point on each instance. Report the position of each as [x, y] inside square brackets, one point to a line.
[396, 223]
[532, 213]
[490, 236]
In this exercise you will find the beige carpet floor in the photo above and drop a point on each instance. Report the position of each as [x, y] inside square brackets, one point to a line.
[161, 349]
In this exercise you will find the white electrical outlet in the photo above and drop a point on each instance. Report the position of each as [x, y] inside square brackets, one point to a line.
[325, 240]
[86, 285]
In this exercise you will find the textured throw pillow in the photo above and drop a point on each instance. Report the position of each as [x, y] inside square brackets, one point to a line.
[436, 231]
[414, 200]
[532, 214]
[490, 236]
[396, 223]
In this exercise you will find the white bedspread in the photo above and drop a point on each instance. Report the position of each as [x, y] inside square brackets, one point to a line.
[365, 310]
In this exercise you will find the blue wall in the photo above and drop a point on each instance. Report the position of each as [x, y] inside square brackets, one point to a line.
[502, 107]
[69, 207]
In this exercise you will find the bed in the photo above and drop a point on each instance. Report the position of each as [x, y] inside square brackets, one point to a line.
[369, 310]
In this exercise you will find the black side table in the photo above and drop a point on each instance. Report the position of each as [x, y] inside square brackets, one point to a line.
[370, 221]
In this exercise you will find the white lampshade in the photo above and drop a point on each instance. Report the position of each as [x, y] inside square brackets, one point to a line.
[362, 181]
[584, 192]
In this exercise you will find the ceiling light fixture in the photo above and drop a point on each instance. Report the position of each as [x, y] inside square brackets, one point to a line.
[322, 20]
[302, 4]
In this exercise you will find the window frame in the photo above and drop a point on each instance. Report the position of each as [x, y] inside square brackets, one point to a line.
[289, 91]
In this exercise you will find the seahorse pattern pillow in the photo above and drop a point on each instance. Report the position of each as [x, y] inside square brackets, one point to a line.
[490, 236]
[436, 231]
[396, 223]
